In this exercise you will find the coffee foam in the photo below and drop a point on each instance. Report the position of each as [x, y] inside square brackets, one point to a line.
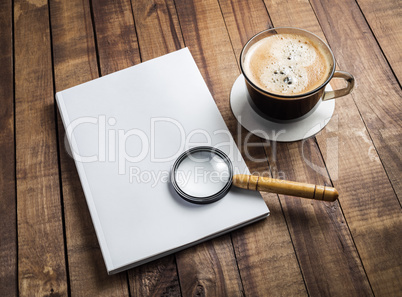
[286, 64]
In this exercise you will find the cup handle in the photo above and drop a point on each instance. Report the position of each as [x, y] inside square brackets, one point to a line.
[341, 92]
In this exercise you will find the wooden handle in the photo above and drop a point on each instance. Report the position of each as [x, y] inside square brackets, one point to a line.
[266, 184]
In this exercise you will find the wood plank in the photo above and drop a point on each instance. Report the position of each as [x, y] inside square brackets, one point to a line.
[320, 237]
[243, 20]
[158, 277]
[385, 20]
[367, 199]
[322, 240]
[8, 221]
[378, 99]
[75, 62]
[115, 35]
[206, 36]
[157, 27]
[41, 258]
[209, 269]
[377, 94]
[264, 251]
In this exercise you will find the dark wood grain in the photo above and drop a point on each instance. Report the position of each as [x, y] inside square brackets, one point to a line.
[324, 230]
[75, 62]
[158, 27]
[367, 198]
[48, 246]
[115, 34]
[209, 269]
[323, 243]
[267, 262]
[243, 20]
[74, 52]
[157, 278]
[8, 222]
[378, 94]
[41, 258]
[385, 20]
[378, 99]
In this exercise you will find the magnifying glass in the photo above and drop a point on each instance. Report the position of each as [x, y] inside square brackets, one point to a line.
[205, 174]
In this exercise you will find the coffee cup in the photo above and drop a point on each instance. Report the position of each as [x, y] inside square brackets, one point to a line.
[286, 71]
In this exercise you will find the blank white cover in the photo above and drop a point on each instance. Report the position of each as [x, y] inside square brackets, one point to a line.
[137, 221]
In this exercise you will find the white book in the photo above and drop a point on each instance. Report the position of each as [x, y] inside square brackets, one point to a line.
[125, 131]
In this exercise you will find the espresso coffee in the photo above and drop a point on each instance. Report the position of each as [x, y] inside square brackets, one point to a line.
[287, 64]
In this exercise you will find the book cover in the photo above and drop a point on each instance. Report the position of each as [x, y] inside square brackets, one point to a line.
[125, 130]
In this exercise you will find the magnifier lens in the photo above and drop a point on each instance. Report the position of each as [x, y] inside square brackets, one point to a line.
[202, 175]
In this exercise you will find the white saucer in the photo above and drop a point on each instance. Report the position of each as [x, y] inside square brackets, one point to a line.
[282, 131]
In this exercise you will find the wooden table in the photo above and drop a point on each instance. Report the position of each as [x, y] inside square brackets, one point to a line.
[351, 247]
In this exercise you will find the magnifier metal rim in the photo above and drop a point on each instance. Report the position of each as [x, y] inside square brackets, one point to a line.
[207, 199]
